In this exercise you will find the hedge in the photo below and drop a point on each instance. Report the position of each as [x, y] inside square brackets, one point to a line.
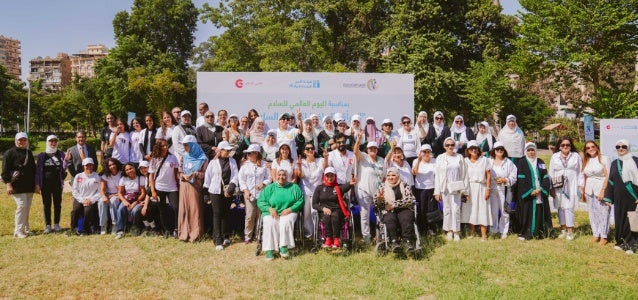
[6, 143]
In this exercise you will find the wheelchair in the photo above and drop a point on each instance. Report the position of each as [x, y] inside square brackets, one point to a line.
[259, 228]
[383, 244]
[347, 233]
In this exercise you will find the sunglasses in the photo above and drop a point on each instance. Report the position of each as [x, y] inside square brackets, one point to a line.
[310, 149]
[618, 147]
[565, 145]
[472, 149]
[499, 149]
[438, 118]
[406, 122]
[210, 116]
[449, 145]
[458, 122]
[590, 147]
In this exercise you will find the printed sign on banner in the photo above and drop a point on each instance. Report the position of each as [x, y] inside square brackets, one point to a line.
[379, 95]
[588, 123]
[612, 130]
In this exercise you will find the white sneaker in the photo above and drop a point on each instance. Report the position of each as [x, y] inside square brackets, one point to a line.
[119, 235]
[504, 236]
[457, 238]
[47, 229]
[570, 236]
[449, 236]
[20, 235]
[219, 247]
[103, 230]
[618, 248]
[57, 228]
[629, 252]
[562, 234]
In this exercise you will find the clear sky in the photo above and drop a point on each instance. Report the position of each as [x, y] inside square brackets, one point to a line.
[47, 27]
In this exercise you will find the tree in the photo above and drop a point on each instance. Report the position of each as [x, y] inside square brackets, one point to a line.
[158, 90]
[531, 111]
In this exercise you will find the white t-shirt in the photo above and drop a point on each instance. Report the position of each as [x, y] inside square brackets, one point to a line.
[405, 171]
[408, 142]
[312, 175]
[122, 147]
[165, 178]
[286, 165]
[370, 175]
[424, 179]
[136, 153]
[288, 137]
[112, 182]
[343, 164]
[168, 136]
[131, 185]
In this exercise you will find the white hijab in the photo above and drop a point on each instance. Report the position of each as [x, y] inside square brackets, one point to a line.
[480, 137]
[533, 162]
[458, 129]
[438, 127]
[512, 139]
[629, 169]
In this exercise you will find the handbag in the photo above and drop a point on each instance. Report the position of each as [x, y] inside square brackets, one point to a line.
[434, 216]
[509, 207]
[633, 220]
[558, 181]
[15, 175]
[456, 186]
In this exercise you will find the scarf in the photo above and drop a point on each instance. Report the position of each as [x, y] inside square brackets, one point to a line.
[51, 150]
[513, 140]
[629, 169]
[533, 162]
[374, 134]
[438, 127]
[481, 137]
[395, 196]
[194, 159]
[426, 125]
[342, 204]
[458, 129]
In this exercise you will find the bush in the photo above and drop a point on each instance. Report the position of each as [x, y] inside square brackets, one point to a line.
[7, 143]
[68, 143]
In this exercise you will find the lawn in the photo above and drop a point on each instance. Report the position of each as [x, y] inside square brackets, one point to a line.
[57, 266]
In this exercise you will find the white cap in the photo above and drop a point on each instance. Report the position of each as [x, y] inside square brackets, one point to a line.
[87, 161]
[185, 112]
[224, 145]
[144, 164]
[386, 121]
[52, 137]
[498, 144]
[426, 147]
[372, 144]
[485, 124]
[329, 170]
[370, 118]
[21, 135]
[530, 145]
[189, 139]
[337, 117]
[471, 144]
[326, 118]
[233, 116]
[313, 116]
[355, 118]
[253, 148]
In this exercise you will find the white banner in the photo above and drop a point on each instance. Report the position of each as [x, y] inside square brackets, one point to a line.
[612, 130]
[379, 95]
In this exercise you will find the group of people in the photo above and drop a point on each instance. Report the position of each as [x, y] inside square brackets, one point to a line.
[182, 179]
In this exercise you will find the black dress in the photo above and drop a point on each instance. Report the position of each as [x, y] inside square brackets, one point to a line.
[623, 196]
[534, 218]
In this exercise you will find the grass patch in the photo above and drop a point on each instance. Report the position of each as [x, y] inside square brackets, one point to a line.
[57, 266]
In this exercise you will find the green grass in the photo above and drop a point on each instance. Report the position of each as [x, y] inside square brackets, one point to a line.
[56, 266]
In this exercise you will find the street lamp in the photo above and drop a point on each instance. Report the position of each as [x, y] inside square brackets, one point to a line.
[28, 106]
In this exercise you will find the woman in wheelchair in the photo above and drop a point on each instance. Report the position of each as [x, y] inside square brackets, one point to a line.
[328, 200]
[396, 200]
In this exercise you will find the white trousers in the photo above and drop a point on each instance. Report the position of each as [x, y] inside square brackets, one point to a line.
[497, 202]
[565, 209]
[598, 216]
[451, 212]
[279, 232]
[23, 205]
[364, 206]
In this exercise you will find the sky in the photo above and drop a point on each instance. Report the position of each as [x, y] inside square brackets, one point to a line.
[46, 27]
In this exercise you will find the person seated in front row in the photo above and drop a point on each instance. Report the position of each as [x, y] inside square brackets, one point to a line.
[86, 192]
[328, 199]
[397, 203]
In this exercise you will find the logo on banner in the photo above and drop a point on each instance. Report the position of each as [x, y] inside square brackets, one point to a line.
[371, 85]
[305, 84]
[240, 83]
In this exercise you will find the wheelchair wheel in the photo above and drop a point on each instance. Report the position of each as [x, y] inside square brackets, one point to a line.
[258, 234]
[381, 249]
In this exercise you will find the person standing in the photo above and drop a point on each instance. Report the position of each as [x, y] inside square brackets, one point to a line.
[370, 170]
[408, 140]
[76, 154]
[564, 171]
[484, 138]
[190, 220]
[254, 176]
[479, 173]
[503, 179]
[425, 130]
[209, 134]
[18, 173]
[623, 181]
[164, 180]
[461, 134]
[202, 108]
[120, 142]
[341, 159]
[441, 132]
[136, 136]
[450, 186]
[147, 137]
[49, 179]
[533, 204]
[179, 132]
[105, 136]
[310, 171]
[423, 170]
[593, 183]
[176, 113]
[512, 138]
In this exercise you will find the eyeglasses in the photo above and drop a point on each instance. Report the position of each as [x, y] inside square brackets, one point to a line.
[565, 145]
[449, 145]
[310, 149]
[458, 122]
[499, 149]
[618, 147]
[210, 116]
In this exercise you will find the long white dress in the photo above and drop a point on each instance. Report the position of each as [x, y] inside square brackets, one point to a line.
[498, 194]
[592, 179]
[567, 196]
[480, 212]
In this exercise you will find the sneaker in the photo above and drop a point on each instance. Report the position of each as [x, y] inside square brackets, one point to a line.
[617, 248]
[629, 252]
[570, 236]
[521, 238]
[226, 242]
[457, 237]
[20, 235]
[247, 241]
[219, 248]
[504, 236]
[396, 248]
[449, 236]
[119, 235]
[57, 228]
[336, 243]
[562, 234]
[269, 255]
[409, 246]
[431, 232]
[327, 243]
[283, 251]
[103, 230]
[47, 229]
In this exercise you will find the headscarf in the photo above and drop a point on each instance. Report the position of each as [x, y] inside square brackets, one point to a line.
[512, 139]
[257, 136]
[458, 129]
[50, 149]
[342, 204]
[480, 137]
[329, 132]
[453, 141]
[194, 159]
[373, 133]
[533, 162]
[425, 125]
[309, 136]
[438, 127]
[629, 169]
[395, 195]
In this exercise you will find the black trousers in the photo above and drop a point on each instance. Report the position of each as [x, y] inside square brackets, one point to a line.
[221, 213]
[152, 215]
[400, 218]
[52, 191]
[168, 201]
[425, 203]
[88, 212]
[333, 223]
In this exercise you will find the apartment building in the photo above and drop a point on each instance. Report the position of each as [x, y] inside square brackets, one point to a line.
[10, 53]
[82, 63]
[55, 72]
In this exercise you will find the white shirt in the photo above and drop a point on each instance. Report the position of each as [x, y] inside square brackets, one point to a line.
[213, 176]
[593, 175]
[168, 136]
[112, 182]
[405, 171]
[122, 147]
[312, 175]
[131, 185]
[164, 177]
[287, 136]
[476, 171]
[343, 164]
[285, 165]
[136, 152]
[408, 141]
[86, 187]
[251, 175]
[424, 179]
[369, 175]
